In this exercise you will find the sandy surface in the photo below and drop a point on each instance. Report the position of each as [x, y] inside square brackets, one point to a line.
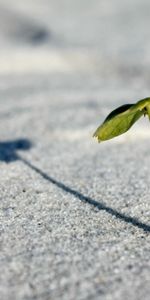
[74, 215]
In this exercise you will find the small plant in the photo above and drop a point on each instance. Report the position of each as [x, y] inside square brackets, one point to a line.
[121, 119]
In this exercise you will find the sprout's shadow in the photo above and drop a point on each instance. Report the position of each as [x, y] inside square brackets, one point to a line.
[8, 153]
[8, 150]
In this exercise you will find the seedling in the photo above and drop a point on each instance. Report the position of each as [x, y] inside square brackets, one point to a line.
[121, 119]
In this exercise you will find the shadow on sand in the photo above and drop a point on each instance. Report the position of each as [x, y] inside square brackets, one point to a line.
[8, 153]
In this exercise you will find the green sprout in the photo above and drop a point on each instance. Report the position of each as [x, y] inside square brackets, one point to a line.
[121, 119]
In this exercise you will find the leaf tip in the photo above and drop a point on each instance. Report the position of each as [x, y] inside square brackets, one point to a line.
[95, 135]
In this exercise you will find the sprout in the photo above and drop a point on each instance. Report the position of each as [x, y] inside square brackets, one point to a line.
[121, 119]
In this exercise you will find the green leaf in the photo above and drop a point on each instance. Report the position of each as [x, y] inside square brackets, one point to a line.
[121, 119]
